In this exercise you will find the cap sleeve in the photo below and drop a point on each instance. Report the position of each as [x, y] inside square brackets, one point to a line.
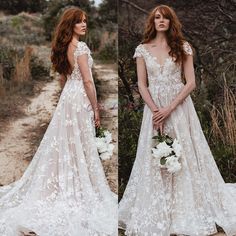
[81, 49]
[138, 52]
[187, 48]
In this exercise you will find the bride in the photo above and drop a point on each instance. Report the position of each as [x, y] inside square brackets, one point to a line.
[193, 200]
[64, 191]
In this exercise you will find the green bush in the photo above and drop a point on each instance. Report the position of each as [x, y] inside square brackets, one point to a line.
[38, 70]
[16, 22]
[130, 117]
[108, 52]
[16, 6]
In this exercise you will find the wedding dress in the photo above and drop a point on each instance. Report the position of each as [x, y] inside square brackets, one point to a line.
[64, 191]
[188, 202]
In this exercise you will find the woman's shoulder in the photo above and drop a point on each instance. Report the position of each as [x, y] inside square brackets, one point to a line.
[82, 45]
[82, 48]
[187, 48]
[142, 46]
[139, 51]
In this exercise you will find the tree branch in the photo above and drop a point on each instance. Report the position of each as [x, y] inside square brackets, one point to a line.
[135, 6]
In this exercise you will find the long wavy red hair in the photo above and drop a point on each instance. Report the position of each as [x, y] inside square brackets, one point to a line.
[175, 38]
[62, 37]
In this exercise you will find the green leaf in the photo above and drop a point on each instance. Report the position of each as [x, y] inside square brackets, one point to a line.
[163, 161]
[100, 132]
[169, 141]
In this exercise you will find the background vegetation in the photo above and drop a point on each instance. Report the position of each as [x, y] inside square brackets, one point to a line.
[209, 27]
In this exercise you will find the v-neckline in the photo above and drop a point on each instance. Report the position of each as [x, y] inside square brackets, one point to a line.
[155, 58]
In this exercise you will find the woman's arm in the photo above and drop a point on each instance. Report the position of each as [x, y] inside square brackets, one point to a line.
[190, 82]
[190, 85]
[87, 80]
[62, 80]
[142, 84]
[89, 85]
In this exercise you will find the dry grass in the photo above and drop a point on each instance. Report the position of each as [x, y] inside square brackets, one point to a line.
[224, 120]
[2, 88]
[20, 80]
[22, 68]
[16, 87]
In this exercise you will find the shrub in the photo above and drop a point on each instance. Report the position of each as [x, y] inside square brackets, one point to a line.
[108, 52]
[130, 117]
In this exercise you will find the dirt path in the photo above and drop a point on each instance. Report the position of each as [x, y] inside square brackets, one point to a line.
[15, 147]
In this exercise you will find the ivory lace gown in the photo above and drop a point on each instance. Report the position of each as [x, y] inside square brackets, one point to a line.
[64, 191]
[190, 201]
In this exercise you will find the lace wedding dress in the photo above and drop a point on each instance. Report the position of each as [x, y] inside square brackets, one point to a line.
[191, 201]
[64, 191]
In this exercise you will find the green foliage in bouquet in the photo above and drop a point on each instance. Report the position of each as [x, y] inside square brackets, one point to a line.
[163, 137]
[100, 132]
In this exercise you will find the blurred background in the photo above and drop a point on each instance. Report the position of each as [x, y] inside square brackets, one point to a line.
[29, 89]
[210, 28]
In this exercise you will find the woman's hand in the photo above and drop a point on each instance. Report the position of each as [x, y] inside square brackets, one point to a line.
[97, 118]
[159, 126]
[161, 114]
[156, 124]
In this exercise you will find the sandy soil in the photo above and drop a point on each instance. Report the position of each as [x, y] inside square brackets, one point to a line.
[15, 147]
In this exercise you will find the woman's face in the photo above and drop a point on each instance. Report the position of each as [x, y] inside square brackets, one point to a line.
[81, 27]
[161, 23]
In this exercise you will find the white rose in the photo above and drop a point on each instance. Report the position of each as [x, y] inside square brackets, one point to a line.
[108, 136]
[105, 156]
[103, 148]
[161, 150]
[110, 148]
[172, 164]
[99, 141]
[156, 153]
[177, 148]
[101, 145]
[171, 158]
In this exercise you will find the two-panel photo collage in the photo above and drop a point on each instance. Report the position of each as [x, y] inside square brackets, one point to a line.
[117, 118]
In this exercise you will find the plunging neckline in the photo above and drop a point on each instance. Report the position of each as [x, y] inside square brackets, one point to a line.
[155, 58]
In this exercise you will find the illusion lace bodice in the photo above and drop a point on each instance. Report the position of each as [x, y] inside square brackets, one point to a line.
[163, 79]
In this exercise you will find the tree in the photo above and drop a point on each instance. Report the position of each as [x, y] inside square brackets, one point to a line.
[16, 6]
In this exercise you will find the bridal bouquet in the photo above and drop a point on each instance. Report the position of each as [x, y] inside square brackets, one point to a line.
[168, 151]
[104, 145]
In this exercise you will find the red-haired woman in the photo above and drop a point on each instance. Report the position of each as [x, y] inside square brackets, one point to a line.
[64, 191]
[158, 202]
